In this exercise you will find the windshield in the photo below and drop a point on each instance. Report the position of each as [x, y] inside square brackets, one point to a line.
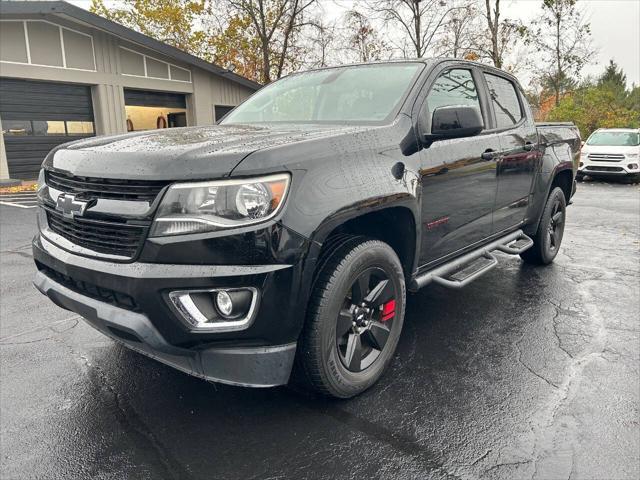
[360, 94]
[615, 139]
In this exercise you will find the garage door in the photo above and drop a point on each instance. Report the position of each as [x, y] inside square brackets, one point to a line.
[37, 116]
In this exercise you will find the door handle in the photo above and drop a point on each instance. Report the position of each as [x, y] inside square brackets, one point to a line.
[488, 154]
[529, 146]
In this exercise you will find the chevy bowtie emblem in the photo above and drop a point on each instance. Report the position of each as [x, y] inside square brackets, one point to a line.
[70, 206]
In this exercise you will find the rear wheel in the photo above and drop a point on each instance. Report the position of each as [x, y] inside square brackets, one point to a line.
[354, 321]
[548, 237]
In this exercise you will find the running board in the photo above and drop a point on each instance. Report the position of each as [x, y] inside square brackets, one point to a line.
[463, 270]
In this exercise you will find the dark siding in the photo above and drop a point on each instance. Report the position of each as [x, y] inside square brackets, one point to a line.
[221, 110]
[25, 154]
[143, 98]
[28, 100]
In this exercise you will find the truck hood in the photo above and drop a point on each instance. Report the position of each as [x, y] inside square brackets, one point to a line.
[179, 153]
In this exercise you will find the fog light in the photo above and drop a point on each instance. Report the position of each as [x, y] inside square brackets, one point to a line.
[216, 309]
[632, 166]
[581, 164]
[224, 303]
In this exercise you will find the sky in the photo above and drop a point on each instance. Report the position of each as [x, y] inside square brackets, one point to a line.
[615, 26]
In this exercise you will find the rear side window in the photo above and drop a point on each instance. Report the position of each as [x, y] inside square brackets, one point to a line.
[454, 87]
[505, 100]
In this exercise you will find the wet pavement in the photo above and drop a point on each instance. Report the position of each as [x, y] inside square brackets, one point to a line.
[527, 373]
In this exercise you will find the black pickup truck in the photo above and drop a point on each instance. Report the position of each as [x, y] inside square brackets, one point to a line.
[279, 245]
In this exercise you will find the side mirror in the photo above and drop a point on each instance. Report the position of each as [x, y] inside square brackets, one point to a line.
[455, 121]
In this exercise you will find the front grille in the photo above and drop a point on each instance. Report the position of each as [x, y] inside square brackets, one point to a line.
[118, 299]
[107, 237]
[115, 189]
[606, 157]
[594, 168]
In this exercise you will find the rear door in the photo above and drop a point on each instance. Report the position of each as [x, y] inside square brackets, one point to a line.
[458, 184]
[519, 157]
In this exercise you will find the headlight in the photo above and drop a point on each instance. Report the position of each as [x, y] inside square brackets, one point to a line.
[40, 185]
[632, 155]
[207, 206]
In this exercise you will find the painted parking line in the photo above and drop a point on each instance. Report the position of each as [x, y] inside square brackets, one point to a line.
[11, 204]
[20, 200]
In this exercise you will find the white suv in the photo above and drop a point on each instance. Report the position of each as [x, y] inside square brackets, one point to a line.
[611, 152]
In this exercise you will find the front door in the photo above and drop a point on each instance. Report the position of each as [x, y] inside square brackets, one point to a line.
[520, 155]
[458, 184]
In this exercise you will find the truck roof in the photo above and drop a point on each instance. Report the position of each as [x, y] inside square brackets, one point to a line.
[425, 60]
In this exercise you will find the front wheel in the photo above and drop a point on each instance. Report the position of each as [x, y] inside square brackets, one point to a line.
[354, 320]
[548, 237]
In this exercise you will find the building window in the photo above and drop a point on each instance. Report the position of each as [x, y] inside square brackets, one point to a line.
[16, 127]
[79, 128]
[41, 128]
[13, 45]
[139, 65]
[42, 43]
[157, 69]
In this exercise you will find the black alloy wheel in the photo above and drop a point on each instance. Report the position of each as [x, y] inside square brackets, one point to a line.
[555, 231]
[365, 320]
[548, 236]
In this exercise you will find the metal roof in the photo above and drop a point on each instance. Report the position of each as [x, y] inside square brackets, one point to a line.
[61, 8]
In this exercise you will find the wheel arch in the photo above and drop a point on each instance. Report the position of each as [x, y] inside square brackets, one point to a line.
[394, 225]
[563, 179]
[562, 176]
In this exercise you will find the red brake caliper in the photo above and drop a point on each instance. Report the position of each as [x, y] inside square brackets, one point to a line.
[388, 310]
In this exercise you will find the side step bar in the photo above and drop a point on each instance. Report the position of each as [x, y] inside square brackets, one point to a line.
[463, 270]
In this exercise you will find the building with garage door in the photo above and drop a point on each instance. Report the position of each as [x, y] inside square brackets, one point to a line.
[66, 73]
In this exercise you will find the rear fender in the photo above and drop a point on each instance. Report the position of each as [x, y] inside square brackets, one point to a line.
[541, 190]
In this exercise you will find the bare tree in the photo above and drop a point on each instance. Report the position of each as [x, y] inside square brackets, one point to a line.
[419, 20]
[459, 31]
[501, 36]
[276, 23]
[320, 43]
[564, 40]
[362, 40]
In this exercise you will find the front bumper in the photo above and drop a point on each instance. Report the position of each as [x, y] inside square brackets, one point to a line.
[129, 303]
[608, 169]
[254, 367]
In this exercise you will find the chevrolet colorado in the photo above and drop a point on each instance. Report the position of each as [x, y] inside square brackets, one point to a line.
[279, 245]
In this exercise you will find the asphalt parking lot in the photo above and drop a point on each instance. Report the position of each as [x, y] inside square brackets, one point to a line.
[530, 373]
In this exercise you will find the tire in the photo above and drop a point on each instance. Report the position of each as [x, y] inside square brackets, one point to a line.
[548, 237]
[340, 355]
[633, 178]
[579, 177]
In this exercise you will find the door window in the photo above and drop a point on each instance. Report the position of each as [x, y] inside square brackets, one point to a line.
[454, 87]
[505, 101]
